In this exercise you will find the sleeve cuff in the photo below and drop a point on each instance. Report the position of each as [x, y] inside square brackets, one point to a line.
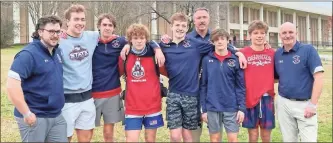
[243, 109]
[318, 69]
[203, 110]
[14, 75]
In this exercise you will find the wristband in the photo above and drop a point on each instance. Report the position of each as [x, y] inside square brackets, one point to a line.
[27, 114]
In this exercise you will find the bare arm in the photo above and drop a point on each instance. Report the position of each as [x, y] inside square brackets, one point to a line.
[15, 95]
[317, 87]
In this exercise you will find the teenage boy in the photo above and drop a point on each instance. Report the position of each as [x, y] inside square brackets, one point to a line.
[259, 82]
[106, 86]
[143, 101]
[222, 90]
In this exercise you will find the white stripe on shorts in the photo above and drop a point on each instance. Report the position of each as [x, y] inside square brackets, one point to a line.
[140, 116]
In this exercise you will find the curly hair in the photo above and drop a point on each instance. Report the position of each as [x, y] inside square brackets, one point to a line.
[137, 30]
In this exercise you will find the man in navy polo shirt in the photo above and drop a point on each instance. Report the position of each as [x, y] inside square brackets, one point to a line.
[300, 73]
[35, 85]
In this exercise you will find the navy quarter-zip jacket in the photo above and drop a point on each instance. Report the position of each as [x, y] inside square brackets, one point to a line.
[222, 85]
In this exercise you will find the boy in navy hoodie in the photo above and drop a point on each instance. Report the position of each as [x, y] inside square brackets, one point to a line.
[222, 89]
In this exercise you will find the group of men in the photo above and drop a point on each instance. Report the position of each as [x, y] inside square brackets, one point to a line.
[64, 82]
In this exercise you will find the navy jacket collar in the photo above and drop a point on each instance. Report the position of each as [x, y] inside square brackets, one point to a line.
[212, 55]
[43, 47]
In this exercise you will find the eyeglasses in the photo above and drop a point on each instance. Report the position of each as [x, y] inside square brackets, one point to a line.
[52, 32]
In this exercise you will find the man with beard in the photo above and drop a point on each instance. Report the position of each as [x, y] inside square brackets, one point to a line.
[35, 85]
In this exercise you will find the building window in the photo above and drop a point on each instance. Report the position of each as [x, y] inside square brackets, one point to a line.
[272, 21]
[324, 31]
[265, 18]
[314, 30]
[255, 14]
[301, 28]
[288, 18]
[234, 14]
[245, 15]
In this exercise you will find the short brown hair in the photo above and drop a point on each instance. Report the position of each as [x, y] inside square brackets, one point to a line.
[201, 8]
[74, 8]
[257, 24]
[43, 21]
[137, 30]
[107, 16]
[178, 17]
[218, 33]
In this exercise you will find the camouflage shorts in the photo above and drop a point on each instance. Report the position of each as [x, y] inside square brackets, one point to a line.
[182, 111]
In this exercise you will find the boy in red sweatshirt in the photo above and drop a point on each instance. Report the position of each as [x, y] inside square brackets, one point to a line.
[143, 102]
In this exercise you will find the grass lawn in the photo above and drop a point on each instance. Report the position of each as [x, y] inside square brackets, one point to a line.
[10, 132]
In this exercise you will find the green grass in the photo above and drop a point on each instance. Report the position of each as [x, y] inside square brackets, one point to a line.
[10, 132]
[325, 51]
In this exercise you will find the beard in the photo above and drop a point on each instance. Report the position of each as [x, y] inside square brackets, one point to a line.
[49, 42]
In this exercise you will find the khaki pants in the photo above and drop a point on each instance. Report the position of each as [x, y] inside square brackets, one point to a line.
[293, 124]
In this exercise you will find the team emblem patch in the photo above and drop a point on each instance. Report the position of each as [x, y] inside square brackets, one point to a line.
[186, 44]
[115, 44]
[78, 53]
[231, 63]
[296, 59]
[138, 71]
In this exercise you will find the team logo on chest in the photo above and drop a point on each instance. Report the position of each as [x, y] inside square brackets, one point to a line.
[296, 59]
[138, 71]
[186, 44]
[78, 53]
[115, 44]
[231, 63]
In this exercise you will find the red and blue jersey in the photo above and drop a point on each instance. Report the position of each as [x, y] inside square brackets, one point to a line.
[143, 93]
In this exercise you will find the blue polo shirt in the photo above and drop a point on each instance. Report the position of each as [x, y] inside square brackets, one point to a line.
[182, 64]
[194, 34]
[295, 70]
[40, 74]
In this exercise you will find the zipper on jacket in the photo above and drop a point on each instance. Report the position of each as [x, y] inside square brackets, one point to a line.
[106, 50]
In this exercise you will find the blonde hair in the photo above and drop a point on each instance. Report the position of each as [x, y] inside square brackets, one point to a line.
[73, 8]
[178, 17]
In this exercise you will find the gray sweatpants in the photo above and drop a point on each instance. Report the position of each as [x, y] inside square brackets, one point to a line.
[44, 130]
